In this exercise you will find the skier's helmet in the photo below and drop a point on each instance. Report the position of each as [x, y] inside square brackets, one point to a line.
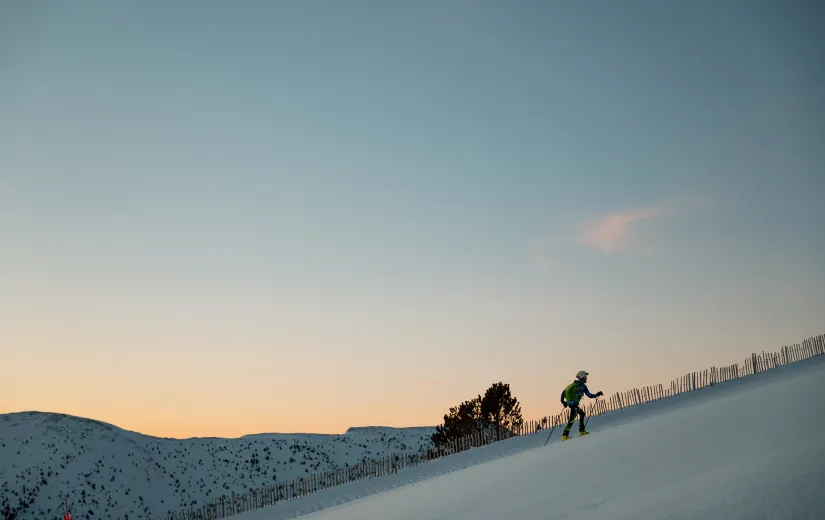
[582, 375]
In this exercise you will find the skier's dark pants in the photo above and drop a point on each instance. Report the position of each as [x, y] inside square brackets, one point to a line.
[574, 412]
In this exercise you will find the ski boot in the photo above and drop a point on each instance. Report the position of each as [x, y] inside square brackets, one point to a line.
[564, 436]
[583, 433]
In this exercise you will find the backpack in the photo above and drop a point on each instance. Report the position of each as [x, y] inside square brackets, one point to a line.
[572, 392]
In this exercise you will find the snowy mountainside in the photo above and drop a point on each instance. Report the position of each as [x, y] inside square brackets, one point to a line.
[713, 453]
[107, 472]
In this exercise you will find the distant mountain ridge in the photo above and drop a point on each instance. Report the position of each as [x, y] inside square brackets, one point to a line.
[108, 472]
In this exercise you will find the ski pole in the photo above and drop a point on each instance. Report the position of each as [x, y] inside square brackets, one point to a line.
[588, 417]
[551, 431]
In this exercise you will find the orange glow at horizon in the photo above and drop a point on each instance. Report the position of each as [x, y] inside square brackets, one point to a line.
[185, 406]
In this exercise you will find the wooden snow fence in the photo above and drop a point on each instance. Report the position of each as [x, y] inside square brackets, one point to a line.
[269, 495]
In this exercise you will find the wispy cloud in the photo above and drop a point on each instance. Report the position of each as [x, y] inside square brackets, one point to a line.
[614, 232]
[556, 251]
[611, 233]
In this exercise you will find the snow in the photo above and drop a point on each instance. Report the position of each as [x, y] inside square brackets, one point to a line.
[108, 472]
[747, 449]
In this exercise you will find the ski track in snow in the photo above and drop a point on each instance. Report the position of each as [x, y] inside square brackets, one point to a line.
[726, 452]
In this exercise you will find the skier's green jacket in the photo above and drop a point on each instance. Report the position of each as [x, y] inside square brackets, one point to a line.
[573, 392]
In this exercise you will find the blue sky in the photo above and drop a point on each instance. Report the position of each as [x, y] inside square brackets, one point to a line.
[380, 192]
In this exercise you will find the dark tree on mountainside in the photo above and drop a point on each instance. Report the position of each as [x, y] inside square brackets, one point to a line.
[500, 409]
[461, 421]
[497, 411]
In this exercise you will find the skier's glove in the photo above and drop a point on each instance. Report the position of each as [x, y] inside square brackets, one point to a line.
[564, 403]
[599, 393]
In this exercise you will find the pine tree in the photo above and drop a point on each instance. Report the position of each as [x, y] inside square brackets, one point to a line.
[461, 421]
[500, 409]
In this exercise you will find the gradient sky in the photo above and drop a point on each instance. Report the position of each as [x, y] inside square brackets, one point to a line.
[220, 218]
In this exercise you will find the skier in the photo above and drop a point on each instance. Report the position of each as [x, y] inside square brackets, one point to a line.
[570, 398]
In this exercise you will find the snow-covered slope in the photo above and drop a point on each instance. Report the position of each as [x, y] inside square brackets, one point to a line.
[748, 449]
[107, 472]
